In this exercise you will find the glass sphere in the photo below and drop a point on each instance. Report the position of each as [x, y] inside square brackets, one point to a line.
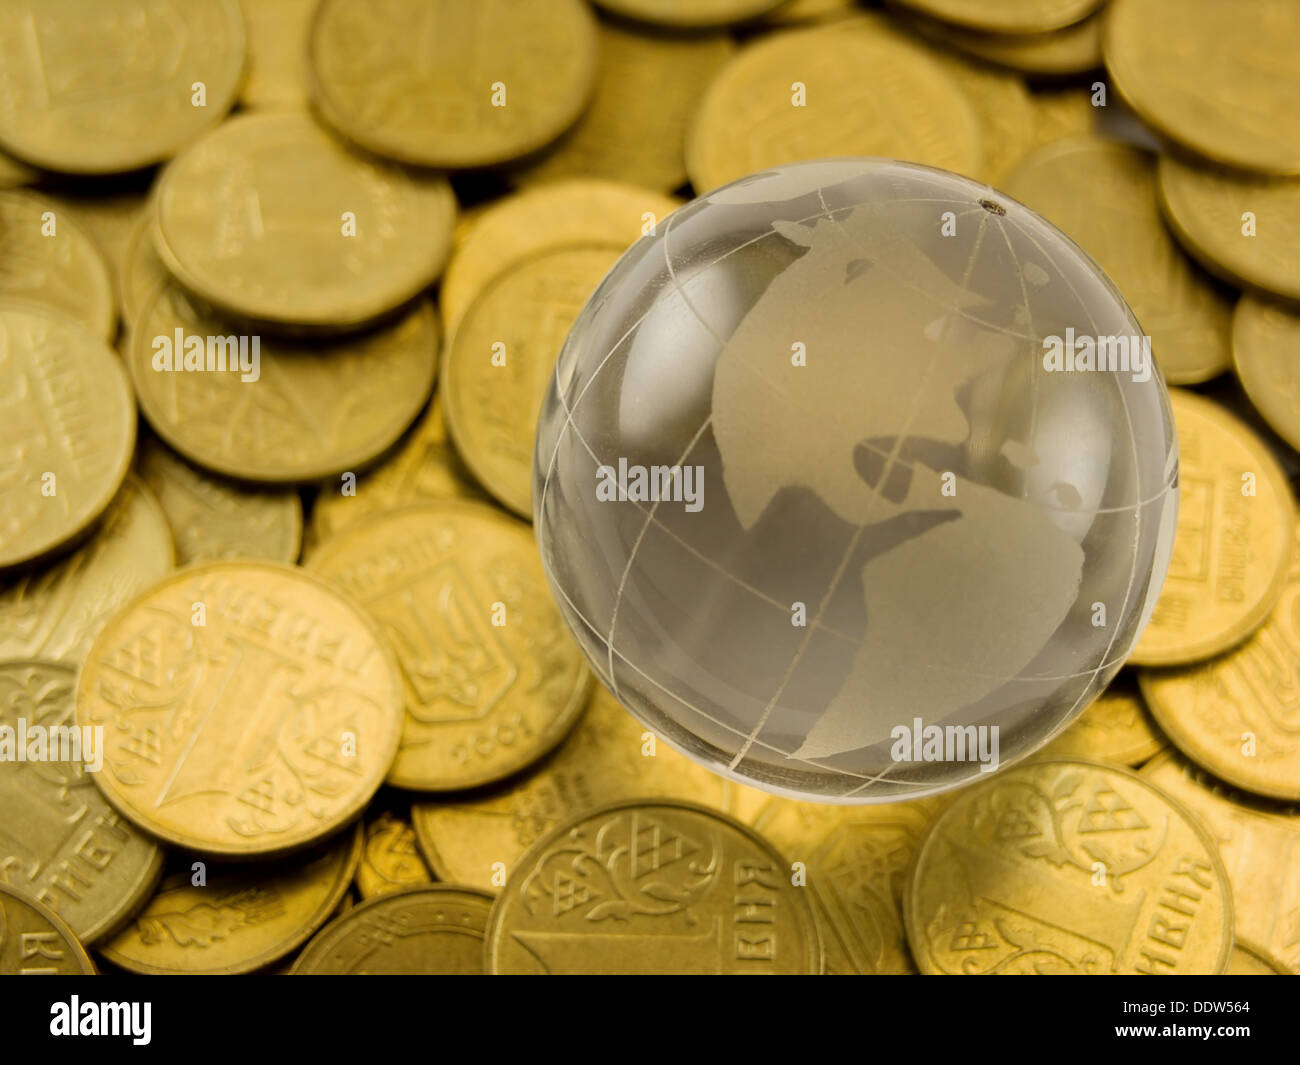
[829, 493]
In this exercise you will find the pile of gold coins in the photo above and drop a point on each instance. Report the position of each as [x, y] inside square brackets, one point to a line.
[285, 591]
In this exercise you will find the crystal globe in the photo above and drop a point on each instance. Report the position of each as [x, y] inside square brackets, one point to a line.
[855, 480]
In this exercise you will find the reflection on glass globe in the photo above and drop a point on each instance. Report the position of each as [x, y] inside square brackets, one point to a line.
[847, 485]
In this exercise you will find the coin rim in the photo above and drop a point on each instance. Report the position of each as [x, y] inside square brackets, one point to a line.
[1097, 141]
[1246, 317]
[48, 548]
[921, 956]
[1191, 652]
[1194, 748]
[814, 957]
[217, 111]
[563, 723]
[1249, 946]
[969, 17]
[868, 24]
[456, 293]
[358, 459]
[489, 475]
[678, 18]
[209, 288]
[1191, 135]
[318, 919]
[363, 134]
[1239, 271]
[336, 824]
[76, 948]
[286, 498]
[104, 324]
[318, 942]
[119, 914]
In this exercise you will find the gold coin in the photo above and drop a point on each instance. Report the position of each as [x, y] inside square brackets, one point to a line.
[1068, 867]
[143, 272]
[241, 918]
[563, 212]
[1219, 83]
[1248, 960]
[332, 240]
[635, 129]
[1008, 16]
[247, 708]
[447, 84]
[34, 942]
[1235, 714]
[57, 610]
[609, 756]
[856, 859]
[856, 87]
[1243, 227]
[14, 173]
[1236, 521]
[49, 258]
[653, 887]
[1116, 728]
[1103, 195]
[793, 12]
[1258, 842]
[501, 359]
[390, 859]
[1075, 49]
[1264, 343]
[1002, 110]
[61, 842]
[423, 469]
[88, 87]
[67, 430]
[214, 518]
[492, 678]
[314, 410]
[435, 930]
[277, 53]
[690, 14]
[109, 218]
[1061, 113]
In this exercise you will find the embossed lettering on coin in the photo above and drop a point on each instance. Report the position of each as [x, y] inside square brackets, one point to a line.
[1068, 867]
[247, 708]
[60, 841]
[492, 679]
[66, 433]
[656, 887]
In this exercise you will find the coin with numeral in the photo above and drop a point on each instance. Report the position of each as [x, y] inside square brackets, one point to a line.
[653, 887]
[61, 841]
[1068, 867]
[35, 942]
[247, 708]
